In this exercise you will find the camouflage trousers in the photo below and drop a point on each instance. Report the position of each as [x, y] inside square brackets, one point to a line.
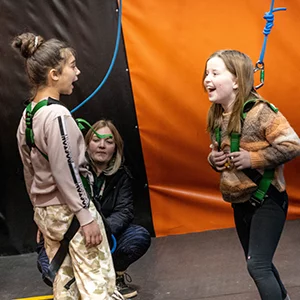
[92, 267]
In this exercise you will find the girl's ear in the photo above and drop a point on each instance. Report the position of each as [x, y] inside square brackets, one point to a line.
[53, 74]
[235, 85]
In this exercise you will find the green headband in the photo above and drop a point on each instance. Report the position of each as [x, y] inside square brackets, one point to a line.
[80, 123]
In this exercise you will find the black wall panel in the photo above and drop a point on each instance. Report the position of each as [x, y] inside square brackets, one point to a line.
[90, 26]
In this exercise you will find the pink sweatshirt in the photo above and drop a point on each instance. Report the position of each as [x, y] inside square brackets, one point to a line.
[55, 181]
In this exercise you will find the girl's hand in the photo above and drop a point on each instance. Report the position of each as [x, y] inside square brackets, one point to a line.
[217, 158]
[92, 234]
[241, 159]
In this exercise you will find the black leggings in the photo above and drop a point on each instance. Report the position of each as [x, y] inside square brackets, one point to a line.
[259, 231]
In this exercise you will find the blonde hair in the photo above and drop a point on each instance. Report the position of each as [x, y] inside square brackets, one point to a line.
[239, 65]
[117, 158]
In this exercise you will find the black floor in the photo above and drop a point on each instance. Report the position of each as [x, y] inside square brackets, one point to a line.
[207, 265]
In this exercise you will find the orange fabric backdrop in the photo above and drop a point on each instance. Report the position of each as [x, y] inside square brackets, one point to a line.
[167, 43]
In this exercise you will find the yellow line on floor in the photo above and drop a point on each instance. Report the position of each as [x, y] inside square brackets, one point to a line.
[37, 298]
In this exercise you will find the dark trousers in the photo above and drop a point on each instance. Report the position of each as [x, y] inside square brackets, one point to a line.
[259, 231]
[132, 244]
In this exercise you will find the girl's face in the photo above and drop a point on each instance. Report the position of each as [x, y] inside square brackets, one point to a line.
[68, 75]
[220, 83]
[101, 150]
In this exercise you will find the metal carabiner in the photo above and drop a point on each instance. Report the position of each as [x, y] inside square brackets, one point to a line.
[260, 66]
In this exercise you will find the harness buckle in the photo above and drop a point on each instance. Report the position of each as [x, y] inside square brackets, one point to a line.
[28, 119]
[254, 201]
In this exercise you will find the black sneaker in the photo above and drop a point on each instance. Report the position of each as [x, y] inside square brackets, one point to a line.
[127, 291]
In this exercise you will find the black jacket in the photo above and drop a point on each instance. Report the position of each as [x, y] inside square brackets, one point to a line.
[116, 203]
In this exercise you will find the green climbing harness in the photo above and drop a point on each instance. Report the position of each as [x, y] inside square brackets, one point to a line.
[28, 131]
[263, 181]
[74, 226]
[30, 136]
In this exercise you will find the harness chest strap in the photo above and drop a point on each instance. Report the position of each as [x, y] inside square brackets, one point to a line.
[263, 181]
[30, 137]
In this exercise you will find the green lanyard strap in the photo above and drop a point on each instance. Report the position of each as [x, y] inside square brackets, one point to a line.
[264, 184]
[235, 141]
[28, 119]
[218, 137]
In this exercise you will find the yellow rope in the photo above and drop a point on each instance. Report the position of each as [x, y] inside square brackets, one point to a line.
[37, 298]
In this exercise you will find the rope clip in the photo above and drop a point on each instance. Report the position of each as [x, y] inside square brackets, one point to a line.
[269, 17]
[260, 66]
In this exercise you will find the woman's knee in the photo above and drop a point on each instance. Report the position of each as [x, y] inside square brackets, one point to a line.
[144, 236]
[143, 240]
[133, 243]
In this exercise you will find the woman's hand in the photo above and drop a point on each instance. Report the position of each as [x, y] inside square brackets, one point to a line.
[241, 159]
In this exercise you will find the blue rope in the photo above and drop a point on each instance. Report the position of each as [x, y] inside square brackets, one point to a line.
[114, 245]
[269, 17]
[111, 64]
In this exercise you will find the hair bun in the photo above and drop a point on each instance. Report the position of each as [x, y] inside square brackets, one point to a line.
[27, 43]
[17, 43]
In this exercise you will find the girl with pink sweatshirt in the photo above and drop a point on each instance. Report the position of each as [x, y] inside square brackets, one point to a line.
[53, 168]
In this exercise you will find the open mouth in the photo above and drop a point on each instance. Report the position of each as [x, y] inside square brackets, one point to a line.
[210, 89]
[74, 82]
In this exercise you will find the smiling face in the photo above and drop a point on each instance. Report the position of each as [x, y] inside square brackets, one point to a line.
[101, 150]
[68, 75]
[219, 83]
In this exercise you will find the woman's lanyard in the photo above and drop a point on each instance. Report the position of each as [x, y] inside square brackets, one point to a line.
[100, 187]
